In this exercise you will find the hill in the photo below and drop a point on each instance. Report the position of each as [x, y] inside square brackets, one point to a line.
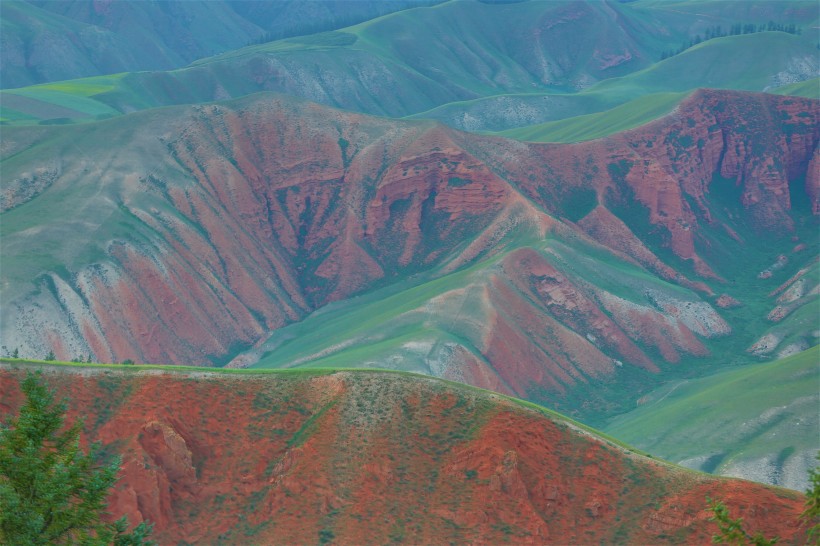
[49, 41]
[571, 275]
[374, 457]
[45, 41]
[759, 421]
[629, 115]
[463, 63]
[753, 62]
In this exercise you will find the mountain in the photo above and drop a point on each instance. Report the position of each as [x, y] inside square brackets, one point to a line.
[465, 64]
[752, 62]
[570, 275]
[765, 433]
[48, 40]
[377, 457]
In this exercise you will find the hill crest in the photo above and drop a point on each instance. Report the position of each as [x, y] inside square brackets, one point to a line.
[216, 457]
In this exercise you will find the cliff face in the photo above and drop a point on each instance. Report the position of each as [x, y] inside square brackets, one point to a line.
[187, 235]
[363, 457]
[663, 180]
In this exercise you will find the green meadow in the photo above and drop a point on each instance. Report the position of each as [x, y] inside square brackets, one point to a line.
[732, 415]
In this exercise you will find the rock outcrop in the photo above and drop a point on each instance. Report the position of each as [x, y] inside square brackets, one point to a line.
[211, 226]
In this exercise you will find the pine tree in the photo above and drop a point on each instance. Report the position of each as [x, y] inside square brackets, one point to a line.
[731, 530]
[51, 492]
[811, 515]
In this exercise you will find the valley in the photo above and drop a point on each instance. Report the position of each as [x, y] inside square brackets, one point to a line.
[423, 268]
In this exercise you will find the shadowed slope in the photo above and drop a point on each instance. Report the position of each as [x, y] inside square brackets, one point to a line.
[45, 40]
[371, 457]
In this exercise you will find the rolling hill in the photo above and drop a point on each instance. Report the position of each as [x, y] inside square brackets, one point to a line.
[757, 422]
[45, 41]
[376, 457]
[455, 63]
[635, 209]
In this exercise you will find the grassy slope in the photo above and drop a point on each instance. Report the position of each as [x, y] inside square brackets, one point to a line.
[808, 88]
[746, 62]
[416, 325]
[590, 126]
[388, 327]
[761, 409]
[494, 63]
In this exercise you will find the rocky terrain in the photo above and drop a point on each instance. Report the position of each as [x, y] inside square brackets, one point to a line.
[250, 215]
[377, 457]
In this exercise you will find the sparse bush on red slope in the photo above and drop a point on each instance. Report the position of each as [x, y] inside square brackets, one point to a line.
[370, 458]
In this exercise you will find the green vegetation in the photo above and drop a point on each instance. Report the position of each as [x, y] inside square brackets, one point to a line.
[591, 126]
[809, 89]
[730, 417]
[50, 491]
[717, 31]
[401, 45]
[731, 530]
[410, 324]
[811, 515]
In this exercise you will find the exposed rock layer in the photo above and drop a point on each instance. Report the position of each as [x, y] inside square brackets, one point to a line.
[210, 226]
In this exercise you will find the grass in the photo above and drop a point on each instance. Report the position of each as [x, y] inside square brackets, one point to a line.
[725, 413]
[598, 125]
[468, 44]
[366, 320]
[75, 99]
[394, 326]
[809, 89]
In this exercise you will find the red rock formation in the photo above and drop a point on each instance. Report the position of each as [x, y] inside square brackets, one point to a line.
[244, 217]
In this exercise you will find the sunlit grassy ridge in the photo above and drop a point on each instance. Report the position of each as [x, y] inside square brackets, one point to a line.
[403, 326]
[808, 88]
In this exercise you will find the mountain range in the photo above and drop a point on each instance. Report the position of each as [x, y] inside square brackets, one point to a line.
[608, 209]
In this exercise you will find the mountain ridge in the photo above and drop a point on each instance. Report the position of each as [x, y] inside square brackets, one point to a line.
[371, 197]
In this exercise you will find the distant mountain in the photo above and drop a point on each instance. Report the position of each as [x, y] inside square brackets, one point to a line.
[55, 40]
[50, 40]
[378, 457]
[570, 275]
[466, 64]
[754, 62]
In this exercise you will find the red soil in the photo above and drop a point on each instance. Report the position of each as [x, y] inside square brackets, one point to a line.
[370, 458]
[274, 207]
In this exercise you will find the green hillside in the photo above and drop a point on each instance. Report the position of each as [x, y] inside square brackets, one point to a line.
[424, 323]
[455, 62]
[808, 88]
[621, 118]
[760, 419]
